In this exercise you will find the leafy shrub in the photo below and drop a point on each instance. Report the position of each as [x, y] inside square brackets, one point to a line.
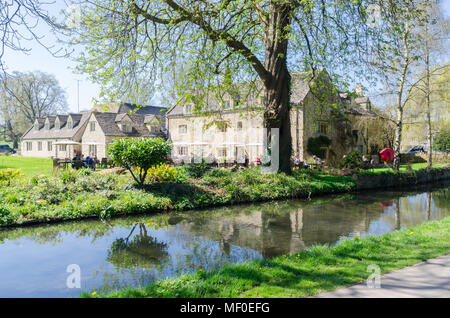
[68, 176]
[352, 161]
[85, 172]
[196, 170]
[5, 216]
[138, 155]
[442, 141]
[164, 173]
[8, 175]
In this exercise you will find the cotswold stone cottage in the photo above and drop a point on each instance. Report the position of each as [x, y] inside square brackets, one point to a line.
[231, 128]
[62, 136]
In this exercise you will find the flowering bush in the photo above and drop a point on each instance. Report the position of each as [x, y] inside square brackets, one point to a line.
[7, 175]
[164, 173]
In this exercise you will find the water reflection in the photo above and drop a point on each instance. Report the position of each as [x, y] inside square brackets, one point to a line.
[134, 251]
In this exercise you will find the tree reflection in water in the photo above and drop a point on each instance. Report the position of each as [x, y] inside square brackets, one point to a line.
[140, 250]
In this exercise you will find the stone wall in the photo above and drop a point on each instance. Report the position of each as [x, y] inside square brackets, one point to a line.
[422, 157]
[390, 180]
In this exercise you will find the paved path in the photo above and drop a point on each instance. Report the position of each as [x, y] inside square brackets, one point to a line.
[427, 279]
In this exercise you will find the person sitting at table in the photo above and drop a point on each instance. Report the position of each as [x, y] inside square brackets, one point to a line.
[76, 157]
[296, 162]
[317, 160]
[91, 161]
[75, 162]
[83, 160]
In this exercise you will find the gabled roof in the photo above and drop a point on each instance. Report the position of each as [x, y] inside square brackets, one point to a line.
[79, 121]
[300, 87]
[110, 127]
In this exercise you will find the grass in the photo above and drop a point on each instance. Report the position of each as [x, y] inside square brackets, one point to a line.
[403, 168]
[29, 166]
[309, 272]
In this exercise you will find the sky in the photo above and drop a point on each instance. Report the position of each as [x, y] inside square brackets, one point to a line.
[39, 59]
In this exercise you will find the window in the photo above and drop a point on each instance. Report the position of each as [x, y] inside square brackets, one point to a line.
[92, 150]
[182, 151]
[62, 147]
[182, 129]
[69, 124]
[49, 146]
[57, 125]
[29, 146]
[355, 135]
[47, 126]
[188, 108]
[126, 128]
[92, 125]
[227, 104]
[222, 127]
[321, 128]
[39, 145]
[154, 129]
[36, 126]
[223, 152]
[239, 125]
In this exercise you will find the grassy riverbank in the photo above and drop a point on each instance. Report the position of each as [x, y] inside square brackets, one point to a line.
[72, 195]
[309, 272]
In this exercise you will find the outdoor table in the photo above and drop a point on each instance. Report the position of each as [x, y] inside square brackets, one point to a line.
[65, 163]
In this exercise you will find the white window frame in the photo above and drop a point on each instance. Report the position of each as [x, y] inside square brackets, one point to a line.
[183, 150]
[182, 129]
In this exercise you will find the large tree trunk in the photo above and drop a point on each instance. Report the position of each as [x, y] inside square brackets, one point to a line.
[277, 86]
[400, 104]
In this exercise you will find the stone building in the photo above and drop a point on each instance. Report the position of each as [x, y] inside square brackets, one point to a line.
[232, 127]
[62, 136]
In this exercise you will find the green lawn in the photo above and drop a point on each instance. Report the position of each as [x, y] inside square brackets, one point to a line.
[29, 166]
[318, 269]
[403, 168]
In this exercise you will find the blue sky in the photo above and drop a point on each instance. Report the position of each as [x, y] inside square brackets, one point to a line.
[40, 59]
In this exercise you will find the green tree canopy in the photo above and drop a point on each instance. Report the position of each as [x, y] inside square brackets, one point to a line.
[133, 47]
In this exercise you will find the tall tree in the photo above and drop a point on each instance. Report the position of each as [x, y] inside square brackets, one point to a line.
[396, 53]
[433, 34]
[33, 95]
[128, 46]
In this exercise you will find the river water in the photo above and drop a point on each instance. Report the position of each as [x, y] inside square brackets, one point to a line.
[44, 261]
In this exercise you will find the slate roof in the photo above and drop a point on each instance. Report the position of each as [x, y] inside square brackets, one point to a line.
[107, 120]
[52, 133]
[299, 90]
[109, 125]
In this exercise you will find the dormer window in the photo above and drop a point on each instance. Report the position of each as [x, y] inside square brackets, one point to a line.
[69, 124]
[127, 128]
[188, 109]
[36, 125]
[227, 104]
[57, 125]
[154, 129]
[47, 125]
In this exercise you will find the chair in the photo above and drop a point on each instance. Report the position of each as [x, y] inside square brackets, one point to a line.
[104, 163]
[110, 163]
[77, 164]
[56, 164]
